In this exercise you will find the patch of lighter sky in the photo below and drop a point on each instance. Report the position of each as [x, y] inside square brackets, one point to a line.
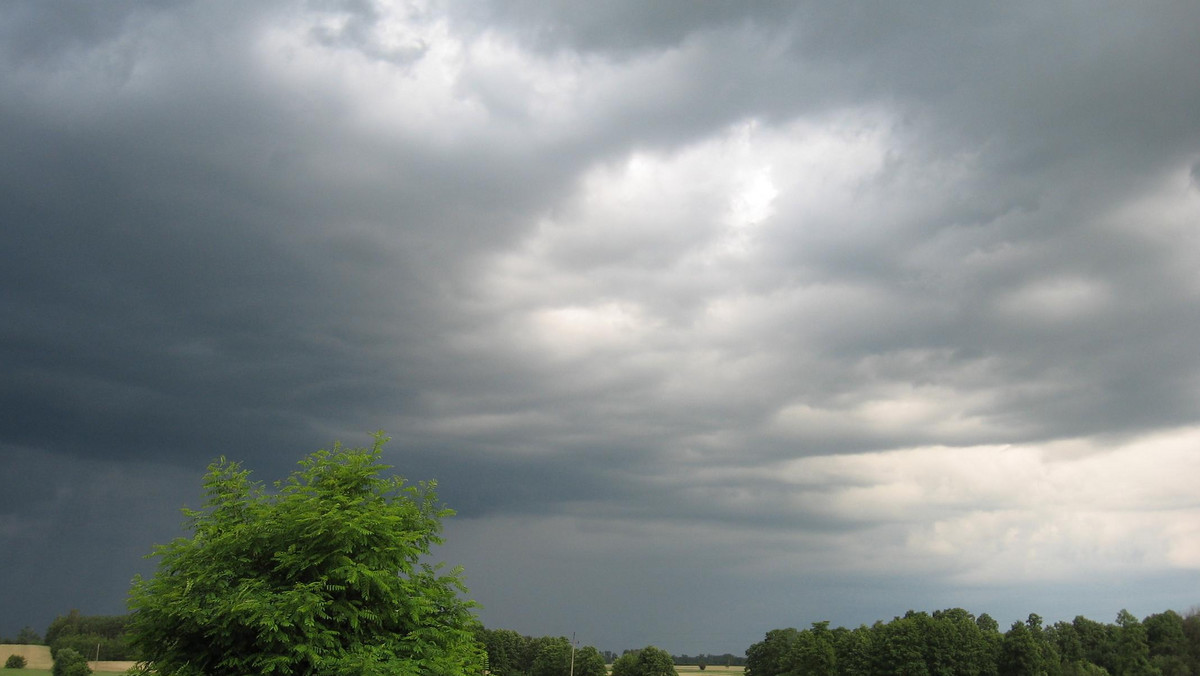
[930, 411]
[380, 97]
[1164, 218]
[452, 90]
[1003, 514]
[576, 331]
[1056, 299]
[981, 516]
[685, 215]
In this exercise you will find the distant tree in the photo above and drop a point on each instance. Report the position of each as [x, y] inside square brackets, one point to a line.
[1191, 632]
[814, 653]
[1133, 648]
[553, 658]
[505, 651]
[1021, 654]
[625, 664]
[1098, 641]
[589, 662]
[15, 662]
[649, 661]
[323, 576]
[900, 646]
[853, 650]
[1083, 668]
[95, 636]
[27, 636]
[768, 657]
[1167, 643]
[987, 624]
[69, 662]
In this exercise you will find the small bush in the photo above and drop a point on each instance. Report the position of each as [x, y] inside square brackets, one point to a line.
[15, 662]
[70, 663]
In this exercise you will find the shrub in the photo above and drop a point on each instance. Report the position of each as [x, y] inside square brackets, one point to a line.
[15, 662]
[70, 663]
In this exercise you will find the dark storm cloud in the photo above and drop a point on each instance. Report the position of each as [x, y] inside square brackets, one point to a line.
[689, 292]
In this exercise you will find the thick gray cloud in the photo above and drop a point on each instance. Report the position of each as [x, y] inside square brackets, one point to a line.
[708, 319]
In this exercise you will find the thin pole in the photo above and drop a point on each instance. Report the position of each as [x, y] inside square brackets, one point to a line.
[572, 653]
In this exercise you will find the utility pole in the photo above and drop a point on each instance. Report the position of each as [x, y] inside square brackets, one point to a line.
[572, 653]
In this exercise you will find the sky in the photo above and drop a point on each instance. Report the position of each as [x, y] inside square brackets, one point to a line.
[709, 318]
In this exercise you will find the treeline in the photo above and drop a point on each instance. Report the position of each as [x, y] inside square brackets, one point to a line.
[27, 636]
[91, 636]
[511, 654]
[955, 642]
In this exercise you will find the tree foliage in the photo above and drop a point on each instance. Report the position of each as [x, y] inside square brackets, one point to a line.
[69, 662]
[96, 636]
[589, 662]
[15, 662]
[511, 654]
[324, 575]
[649, 661]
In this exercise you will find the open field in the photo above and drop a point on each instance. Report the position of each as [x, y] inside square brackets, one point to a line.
[36, 656]
[110, 667]
[97, 667]
[710, 670]
[38, 662]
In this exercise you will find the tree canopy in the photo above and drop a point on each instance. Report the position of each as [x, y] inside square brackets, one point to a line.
[648, 661]
[323, 575]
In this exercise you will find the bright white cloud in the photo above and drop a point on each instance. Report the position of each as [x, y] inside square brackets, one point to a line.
[999, 514]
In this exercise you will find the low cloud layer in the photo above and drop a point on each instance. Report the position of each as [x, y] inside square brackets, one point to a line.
[709, 319]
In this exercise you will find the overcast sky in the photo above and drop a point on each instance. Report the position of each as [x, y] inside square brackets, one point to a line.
[708, 317]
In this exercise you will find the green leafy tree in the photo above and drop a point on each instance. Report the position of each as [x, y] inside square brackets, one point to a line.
[768, 657]
[853, 650]
[1168, 644]
[625, 664]
[1021, 654]
[15, 662]
[95, 636]
[505, 651]
[1191, 633]
[323, 576]
[901, 648]
[553, 658]
[814, 653]
[589, 662]
[1099, 642]
[649, 661]
[27, 636]
[1133, 648]
[1083, 668]
[69, 662]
